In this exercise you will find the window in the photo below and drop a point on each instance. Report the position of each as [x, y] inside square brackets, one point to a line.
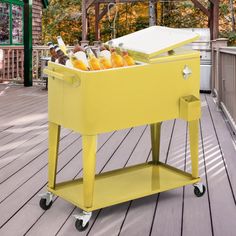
[17, 24]
[4, 23]
[11, 22]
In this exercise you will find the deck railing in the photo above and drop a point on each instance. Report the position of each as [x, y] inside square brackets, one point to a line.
[12, 67]
[12, 63]
[224, 81]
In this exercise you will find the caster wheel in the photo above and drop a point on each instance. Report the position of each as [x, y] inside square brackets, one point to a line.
[197, 191]
[79, 225]
[43, 204]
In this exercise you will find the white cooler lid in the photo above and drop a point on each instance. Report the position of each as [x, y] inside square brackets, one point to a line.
[155, 40]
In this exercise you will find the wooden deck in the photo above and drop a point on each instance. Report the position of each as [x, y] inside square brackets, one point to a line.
[23, 174]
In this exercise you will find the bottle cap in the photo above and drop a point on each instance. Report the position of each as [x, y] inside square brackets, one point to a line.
[57, 49]
[51, 46]
[49, 43]
[86, 47]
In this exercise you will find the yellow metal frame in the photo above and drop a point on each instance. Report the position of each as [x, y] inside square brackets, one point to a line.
[102, 101]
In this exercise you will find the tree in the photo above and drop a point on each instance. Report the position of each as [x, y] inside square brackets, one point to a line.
[232, 12]
[62, 17]
[152, 13]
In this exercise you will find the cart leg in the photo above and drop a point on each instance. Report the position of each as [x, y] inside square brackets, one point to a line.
[89, 164]
[193, 135]
[54, 137]
[155, 139]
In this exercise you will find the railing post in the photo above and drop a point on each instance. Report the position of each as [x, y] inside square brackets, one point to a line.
[1, 64]
[216, 45]
[28, 43]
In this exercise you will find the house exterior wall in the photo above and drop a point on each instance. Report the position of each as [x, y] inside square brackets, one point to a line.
[11, 67]
[37, 22]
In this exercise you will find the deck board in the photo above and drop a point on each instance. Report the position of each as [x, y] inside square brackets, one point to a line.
[227, 144]
[68, 172]
[196, 212]
[168, 213]
[23, 174]
[16, 164]
[104, 158]
[143, 222]
[221, 199]
[125, 153]
[141, 151]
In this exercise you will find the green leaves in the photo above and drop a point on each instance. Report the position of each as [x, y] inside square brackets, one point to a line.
[62, 17]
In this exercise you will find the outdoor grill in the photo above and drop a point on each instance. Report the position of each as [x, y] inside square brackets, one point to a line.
[203, 44]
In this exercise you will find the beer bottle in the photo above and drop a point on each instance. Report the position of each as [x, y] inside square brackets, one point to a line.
[105, 63]
[78, 64]
[104, 52]
[116, 59]
[92, 59]
[62, 58]
[52, 52]
[129, 61]
[77, 47]
[61, 44]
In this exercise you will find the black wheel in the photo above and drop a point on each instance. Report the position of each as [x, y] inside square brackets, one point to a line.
[197, 191]
[79, 225]
[43, 204]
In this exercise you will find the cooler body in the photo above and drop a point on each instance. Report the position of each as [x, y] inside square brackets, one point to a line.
[95, 102]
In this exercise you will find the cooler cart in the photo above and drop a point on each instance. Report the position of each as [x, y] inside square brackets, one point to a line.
[164, 86]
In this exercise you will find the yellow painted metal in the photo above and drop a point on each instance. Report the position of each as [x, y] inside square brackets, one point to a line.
[155, 139]
[54, 137]
[125, 184]
[190, 108]
[120, 98]
[89, 163]
[93, 102]
[150, 57]
[193, 135]
[159, 40]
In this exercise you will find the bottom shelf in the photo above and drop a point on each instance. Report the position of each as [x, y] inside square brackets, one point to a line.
[125, 184]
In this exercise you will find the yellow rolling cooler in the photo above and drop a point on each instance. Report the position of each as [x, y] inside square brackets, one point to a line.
[164, 85]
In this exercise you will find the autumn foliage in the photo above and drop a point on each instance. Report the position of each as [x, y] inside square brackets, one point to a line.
[63, 17]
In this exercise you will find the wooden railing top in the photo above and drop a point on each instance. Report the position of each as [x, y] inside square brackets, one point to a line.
[37, 47]
[11, 47]
[228, 50]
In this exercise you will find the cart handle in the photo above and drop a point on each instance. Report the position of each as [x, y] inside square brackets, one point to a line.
[73, 79]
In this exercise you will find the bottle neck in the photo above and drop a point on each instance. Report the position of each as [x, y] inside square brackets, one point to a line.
[72, 57]
[90, 53]
[112, 50]
[124, 53]
[60, 41]
[51, 47]
[98, 53]
[60, 53]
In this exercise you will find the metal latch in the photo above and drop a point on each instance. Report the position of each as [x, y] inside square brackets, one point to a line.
[186, 72]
